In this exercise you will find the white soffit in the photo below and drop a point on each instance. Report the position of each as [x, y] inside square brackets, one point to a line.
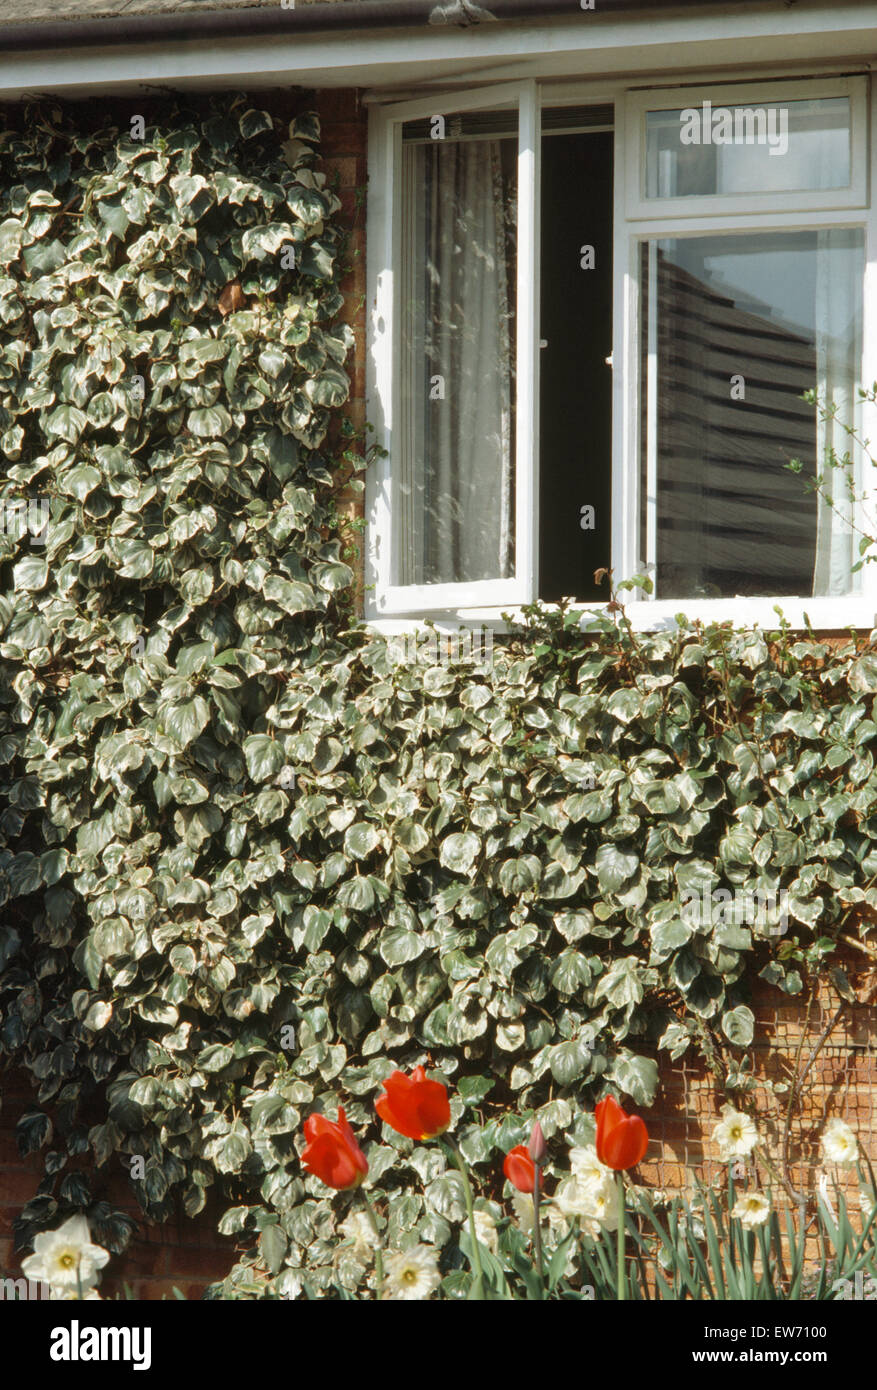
[590, 45]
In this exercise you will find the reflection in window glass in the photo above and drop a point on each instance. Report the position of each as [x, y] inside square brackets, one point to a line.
[778, 147]
[736, 328]
[455, 490]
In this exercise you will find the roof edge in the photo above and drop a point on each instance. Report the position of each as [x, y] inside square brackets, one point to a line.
[258, 22]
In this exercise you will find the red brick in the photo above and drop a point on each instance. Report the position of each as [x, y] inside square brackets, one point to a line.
[346, 169]
[17, 1186]
[334, 104]
[344, 138]
[203, 1264]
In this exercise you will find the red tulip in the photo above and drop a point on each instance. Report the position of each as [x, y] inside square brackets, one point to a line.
[413, 1106]
[520, 1169]
[333, 1153]
[621, 1139]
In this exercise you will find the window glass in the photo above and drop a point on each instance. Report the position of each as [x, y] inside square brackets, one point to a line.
[735, 328]
[710, 149]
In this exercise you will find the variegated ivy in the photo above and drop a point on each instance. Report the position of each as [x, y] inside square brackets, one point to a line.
[249, 861]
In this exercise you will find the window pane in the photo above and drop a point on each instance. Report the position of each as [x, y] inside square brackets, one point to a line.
[736, 328]
[786, 146]
[456, 481]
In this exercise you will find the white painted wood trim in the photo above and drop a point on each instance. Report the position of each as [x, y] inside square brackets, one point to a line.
[528, 355]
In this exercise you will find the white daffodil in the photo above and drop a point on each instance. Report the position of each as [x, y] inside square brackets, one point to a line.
[359, 1231]
[411, 1274]
[839, 1144]
[594, 1204]
[67, 1295]
[586, 1166]
[752, 1209]
[66, 1258]
[485, 1230]
[867, 1202]
[735, 1134]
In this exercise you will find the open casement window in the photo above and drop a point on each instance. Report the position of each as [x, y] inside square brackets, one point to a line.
[456, 364]
[735, 315]
[492, 342]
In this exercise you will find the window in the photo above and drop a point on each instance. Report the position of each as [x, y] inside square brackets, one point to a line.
[736, 328]
[593, 325]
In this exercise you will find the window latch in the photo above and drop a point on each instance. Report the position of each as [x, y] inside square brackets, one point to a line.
[608, 360]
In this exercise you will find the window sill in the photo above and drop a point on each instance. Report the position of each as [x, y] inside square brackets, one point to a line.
[825, 614]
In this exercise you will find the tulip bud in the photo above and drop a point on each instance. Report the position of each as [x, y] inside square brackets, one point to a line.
[537, 1148]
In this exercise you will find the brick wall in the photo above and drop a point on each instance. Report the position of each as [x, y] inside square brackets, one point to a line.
[344, 129]
[840, 1082]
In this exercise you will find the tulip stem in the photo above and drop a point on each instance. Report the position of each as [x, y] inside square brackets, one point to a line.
[621, 1282]
[450, 1145]
[537, 1228]
[379, 1259]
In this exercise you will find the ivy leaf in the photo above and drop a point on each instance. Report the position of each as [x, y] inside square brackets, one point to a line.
[30, 574]
[183, 723]
[458, 852]
[67, 422]
[210, 422]
[569, 1060]
[264, 756]
[636, 1076]
[230, 1152]
[738, 1025]
[614, 867]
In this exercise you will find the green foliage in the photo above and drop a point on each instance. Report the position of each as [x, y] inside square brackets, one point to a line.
[248, 861]
[702, 1251]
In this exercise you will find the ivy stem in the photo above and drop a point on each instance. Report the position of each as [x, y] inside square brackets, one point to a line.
[379, 1259]
[537, 1227]
[621, 1283]
[457, 1157]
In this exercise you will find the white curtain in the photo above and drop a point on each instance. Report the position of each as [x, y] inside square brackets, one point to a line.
[456, 489]
[838, 293]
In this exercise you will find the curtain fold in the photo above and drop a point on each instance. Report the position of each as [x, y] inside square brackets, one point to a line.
[457, 458]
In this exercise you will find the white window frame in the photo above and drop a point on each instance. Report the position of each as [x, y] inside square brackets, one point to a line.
[385, 144]
[761, 94]
[397, 608]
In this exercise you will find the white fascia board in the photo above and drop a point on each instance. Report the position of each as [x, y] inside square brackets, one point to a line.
[586, 46]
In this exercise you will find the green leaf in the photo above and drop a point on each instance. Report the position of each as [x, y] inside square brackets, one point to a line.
[30, 573]
[614, 867]
[360, 840]
[458, 852]
[272, 1247]
[570, 1060]
[264, 756]
[231, 1151]
[636, 1076]
[67, 422]
[210, 422]
[183, 723]
[738, 1025]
